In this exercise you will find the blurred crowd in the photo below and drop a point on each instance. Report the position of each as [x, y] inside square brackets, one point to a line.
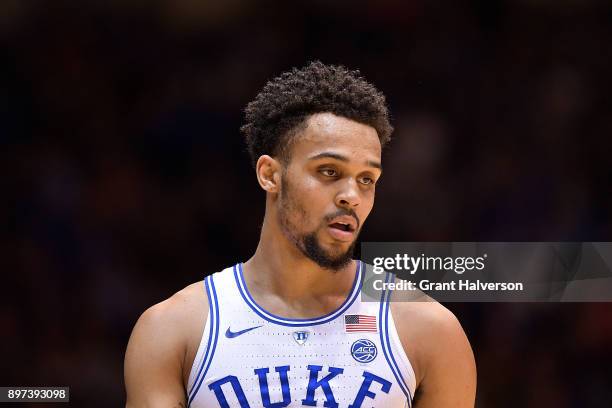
[125, 177]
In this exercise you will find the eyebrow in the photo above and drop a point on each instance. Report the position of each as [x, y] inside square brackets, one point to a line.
[340, 157]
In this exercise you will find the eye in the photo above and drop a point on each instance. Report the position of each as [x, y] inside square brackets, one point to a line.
[329, 172]
[367, 180]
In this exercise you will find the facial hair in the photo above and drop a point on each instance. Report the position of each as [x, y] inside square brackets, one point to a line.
[308, 243]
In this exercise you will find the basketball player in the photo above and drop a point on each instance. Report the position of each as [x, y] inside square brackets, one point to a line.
[287, 328]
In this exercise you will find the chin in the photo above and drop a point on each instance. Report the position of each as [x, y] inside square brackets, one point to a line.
[331, 256]
[339, 250]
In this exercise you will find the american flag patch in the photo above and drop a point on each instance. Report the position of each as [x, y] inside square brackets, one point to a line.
[360, 323]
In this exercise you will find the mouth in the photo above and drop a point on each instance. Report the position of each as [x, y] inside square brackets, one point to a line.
[343, 228]
[340, 234]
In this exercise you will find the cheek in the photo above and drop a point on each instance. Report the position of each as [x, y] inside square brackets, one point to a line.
[309, 191]
[304, 202]
[314, 202]
[310, 184]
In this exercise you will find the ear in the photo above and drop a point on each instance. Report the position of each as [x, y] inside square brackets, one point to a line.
[268, 172]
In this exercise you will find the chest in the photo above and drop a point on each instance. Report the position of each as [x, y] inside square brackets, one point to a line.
[272, 367]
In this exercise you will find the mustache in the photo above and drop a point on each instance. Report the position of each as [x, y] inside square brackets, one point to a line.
[342, 212]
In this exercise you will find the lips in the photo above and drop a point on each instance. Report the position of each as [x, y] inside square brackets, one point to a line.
[344, 223]
[343, 228]
[340, 235]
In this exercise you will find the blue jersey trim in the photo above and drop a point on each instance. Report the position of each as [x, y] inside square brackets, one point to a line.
[244, 292]
[383, 333]
[211, 316]
[387, 311]
[214, 306]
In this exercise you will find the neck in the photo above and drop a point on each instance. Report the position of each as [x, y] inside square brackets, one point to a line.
[278, 268]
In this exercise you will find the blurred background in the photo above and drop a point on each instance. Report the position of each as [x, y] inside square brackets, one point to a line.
[125, 178]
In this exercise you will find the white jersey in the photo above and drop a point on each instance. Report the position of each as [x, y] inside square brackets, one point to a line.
[249, 357]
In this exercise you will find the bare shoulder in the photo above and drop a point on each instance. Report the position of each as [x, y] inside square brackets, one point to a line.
[182, 307]
[421, 327]
[438, 349]
[164, 339]
[176, 318]
[426, 320]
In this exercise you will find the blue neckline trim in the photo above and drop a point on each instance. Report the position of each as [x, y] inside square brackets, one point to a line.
[283, 321]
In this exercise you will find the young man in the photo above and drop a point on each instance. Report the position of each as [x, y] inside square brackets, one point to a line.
[288, 328]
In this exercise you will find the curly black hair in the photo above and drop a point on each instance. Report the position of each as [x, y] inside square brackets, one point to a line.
[284, 104]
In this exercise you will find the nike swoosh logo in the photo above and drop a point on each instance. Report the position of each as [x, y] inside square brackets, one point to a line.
[230, 334]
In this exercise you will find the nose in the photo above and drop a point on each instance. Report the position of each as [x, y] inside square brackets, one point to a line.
[348, 196]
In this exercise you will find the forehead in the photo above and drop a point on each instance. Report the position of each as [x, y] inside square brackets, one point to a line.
[326, 132]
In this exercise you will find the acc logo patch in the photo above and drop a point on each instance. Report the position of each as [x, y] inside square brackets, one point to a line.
[364, 351]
